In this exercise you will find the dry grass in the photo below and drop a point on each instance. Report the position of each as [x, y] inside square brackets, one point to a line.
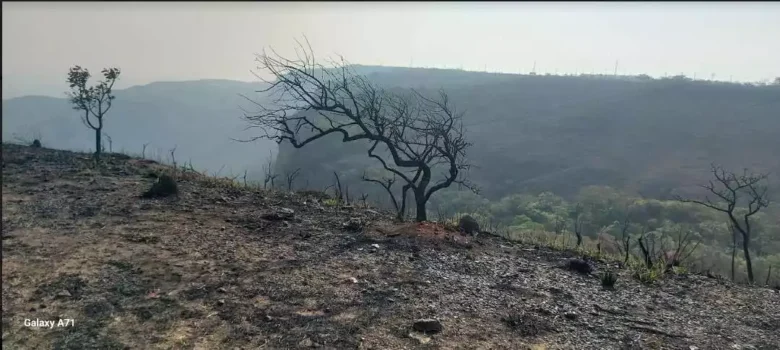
[209, 271]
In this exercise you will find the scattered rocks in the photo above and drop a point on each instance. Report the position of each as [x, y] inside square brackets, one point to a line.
[423, 339]
[280, 214]
[63, 294]
[428, 326]
[353, 224]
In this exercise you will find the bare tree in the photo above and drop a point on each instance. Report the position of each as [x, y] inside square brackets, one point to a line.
[387, 184]
[110, 143]
[410, 133]
[733, 190]
[94, 101]
[268, 172]
[143, 151]
[290, 177]
[625, 237]
[577, 221]
[733, 248]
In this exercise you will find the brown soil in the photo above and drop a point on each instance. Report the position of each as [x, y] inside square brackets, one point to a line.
[212, 269]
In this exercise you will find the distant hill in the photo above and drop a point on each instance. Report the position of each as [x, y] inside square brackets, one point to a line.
[199, 118]
[560, 133]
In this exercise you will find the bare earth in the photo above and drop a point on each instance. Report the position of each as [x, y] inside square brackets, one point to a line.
[212, 270]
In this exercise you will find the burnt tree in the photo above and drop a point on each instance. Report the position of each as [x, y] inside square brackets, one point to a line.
[93, 101]
[410, 133]
[732, 191]
[387, 184]
[576, 216]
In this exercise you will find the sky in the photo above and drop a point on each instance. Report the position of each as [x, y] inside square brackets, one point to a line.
[174, 41]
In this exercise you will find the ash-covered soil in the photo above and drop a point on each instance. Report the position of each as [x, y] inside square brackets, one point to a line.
[223, 267]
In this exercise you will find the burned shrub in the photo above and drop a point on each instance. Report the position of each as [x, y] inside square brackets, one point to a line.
[164, 187]
[36, 144]
[580, 265]
[468, 225]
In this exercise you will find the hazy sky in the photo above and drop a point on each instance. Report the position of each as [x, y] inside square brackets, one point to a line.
[153, 41]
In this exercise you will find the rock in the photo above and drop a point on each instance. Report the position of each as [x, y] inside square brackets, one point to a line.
[222, 290]
[353, 224]
[279, 214]
[221, 302]
[428, 326]
[571, 315]
[353, 280]
[580, 266]
[420, 338]
[306, 343]
[268, 318]
[375, 246]
[372, 212]
[63, 294]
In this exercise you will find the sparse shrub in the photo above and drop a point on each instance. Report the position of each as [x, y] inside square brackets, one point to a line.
[164, 187]
[608, 279]
[648, 275]
[331, 202]
[36, 143]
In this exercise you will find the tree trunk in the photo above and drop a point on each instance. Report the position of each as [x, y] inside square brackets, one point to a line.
[419, 198]
[746, 249]
[733, 252]
[98, 144]
[579, 239]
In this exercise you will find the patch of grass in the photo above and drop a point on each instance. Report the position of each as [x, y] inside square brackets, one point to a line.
[648, 275]
[608, 279]
[331, 202]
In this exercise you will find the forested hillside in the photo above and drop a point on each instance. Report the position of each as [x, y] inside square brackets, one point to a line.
[611, 152]
[561, 133]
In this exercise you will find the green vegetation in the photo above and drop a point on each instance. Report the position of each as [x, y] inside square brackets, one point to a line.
[603, 212]
[93, 101]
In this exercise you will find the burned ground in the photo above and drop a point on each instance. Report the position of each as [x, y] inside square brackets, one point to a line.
[223, 267]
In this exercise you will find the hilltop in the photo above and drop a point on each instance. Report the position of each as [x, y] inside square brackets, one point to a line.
[230, 267]
[199, 118]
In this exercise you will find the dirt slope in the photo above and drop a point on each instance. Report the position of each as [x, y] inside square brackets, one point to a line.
[228, 268]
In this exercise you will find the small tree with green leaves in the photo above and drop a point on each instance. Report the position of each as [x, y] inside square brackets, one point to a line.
[93, 101]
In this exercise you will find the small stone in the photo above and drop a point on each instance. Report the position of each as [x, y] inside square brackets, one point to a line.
[268, 318]
[222, 290]
[427, 326]
[64, 294]
[420, 338]
[221, 302]
[375, 246]
[353, 280]
[571, 315]
[306, 343]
